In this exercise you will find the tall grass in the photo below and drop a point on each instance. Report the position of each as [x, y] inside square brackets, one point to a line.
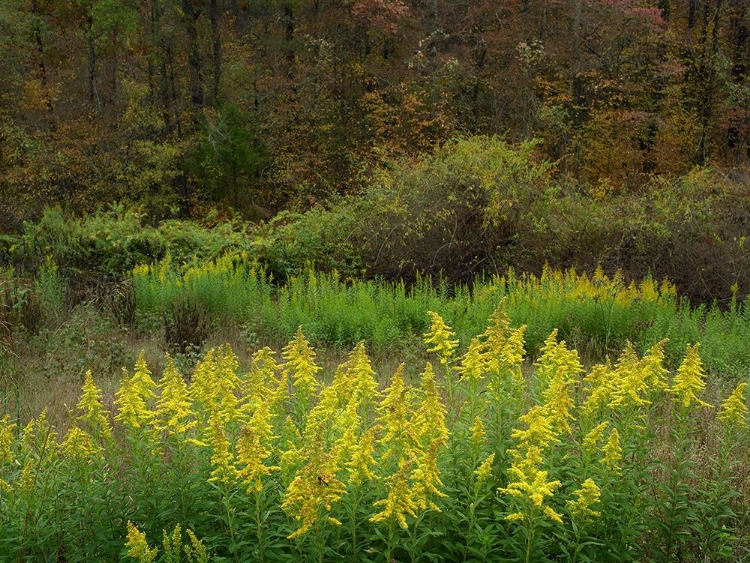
[597, 314]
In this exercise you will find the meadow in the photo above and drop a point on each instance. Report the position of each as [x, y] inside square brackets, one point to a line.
[564, 417]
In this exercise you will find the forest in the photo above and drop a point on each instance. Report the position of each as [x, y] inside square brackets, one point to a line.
[378, 281]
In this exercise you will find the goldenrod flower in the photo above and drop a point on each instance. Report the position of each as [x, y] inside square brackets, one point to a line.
[362, 460]
[430, 417]
[474, 363]
[477, 434]
[588, 495]
[93, 411]
[400, 502]
[78, 444]
[440, 336]
[485, 469]
[653, 366]
[138, 546]
[314, 489]
[426, 478]
[531, 486]
[602, 382]
[6, 439]
[594, 436]
[222, 459]
[630, 377]
[541, 430]
[733, 409]
[612, 452]
[690, 378]
[132, 399]
[251, 448]
[300, 362]
[401, 438]
[196, 551]
[173, 408]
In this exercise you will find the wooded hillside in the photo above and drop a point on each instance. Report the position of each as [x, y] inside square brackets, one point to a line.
[181, 104]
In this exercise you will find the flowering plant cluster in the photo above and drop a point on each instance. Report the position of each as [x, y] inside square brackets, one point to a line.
[475, 457]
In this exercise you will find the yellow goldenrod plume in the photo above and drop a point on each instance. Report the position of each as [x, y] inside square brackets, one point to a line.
[612, 452]
[79, 445]
[300, 363]
[132, 400]
[222, 458]
[173, 414]
[588, 495]
[430, 418]
[540, 431]
[689, 380]
[653, 366]
[252, 450]
[477, 434]
[531, 486]
[361, 458]
[6, 440]
[733, 409]
[426, 478]
[440, 336]
[400, 502]
[594, 436]
[485, 469]
[630, 377]
[138, 546]
[400, 436]
[93, 411]
[474, 363]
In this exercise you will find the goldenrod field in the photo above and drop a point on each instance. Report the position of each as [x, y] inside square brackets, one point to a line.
[479, 457]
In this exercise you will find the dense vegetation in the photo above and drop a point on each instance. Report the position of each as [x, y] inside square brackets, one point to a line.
[623, 461]
[179, 176]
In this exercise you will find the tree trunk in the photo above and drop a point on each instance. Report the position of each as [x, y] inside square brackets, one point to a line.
[190, 17]
[216, 46]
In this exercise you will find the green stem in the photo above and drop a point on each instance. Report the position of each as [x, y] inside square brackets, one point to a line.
[259, 528]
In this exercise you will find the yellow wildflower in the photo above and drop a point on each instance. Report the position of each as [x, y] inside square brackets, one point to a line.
[93, 411]
[485, 469]
[430, 417]
[313, 489]
[631, 380]
[426, 477]
[251, 448]
[689, 379]
[557, 361]
[6, 440]
[203, 385]
[440, 336]
[400, 502]
[653, 365]
[400, 437]
[78, 444]
[733, 409]
[588, 495]
[300, 362]
[612, 452]
[594, 436]
[474, 363]
[173, 408]
[477, 434]
[362, 460]
[131, 402]
[531, 486]
[602, 382]
[222, 459]
[138, 546]
[541, 428]
[196, 551]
